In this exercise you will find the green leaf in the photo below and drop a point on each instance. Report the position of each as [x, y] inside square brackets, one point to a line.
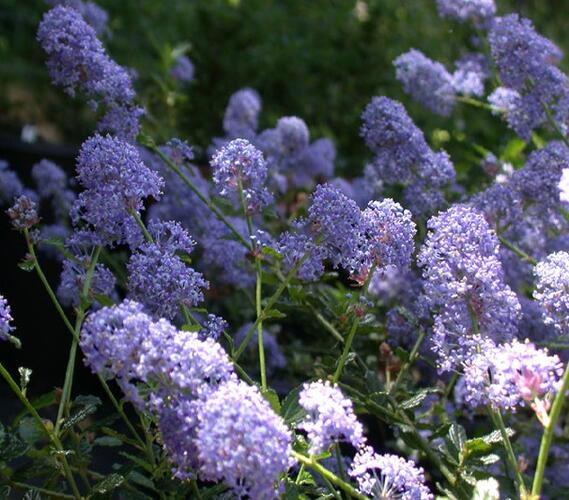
[104, 300]
[30, 430]
[273, 398]
[89, 403]
[477, 446]
[26, 265]
[138, 461]
[138, 478]
[415, 400]
[513, 150]
[191, 328]
[4, 492]
[291, 411]
[107, 441]
[274, 314]
[11, 445]
[496, 436]
[25, 376]
[272, 252]
[402, 354]
[457, 437]
[109, 484]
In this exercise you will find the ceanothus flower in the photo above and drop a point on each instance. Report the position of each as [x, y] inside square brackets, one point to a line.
[511, 375]
[330, 417]
[402, 155]
[77, 59]
[538, 181]
[128, 344]
[526, 63]
[23, 213]
[552, 290]
[465, 10]
[427, 81]
[470, 73]
[465, 287]
[240, 165]
[564, 186]
[10, 185]
[50, 178]
[116, 183]
[5, 320]
[159, 278]
[73, 277]
[122, 121]
[213, 327]
[183, 69]
[241, 441]
[388, 477]
[242, 114]
[337, 224]
[390, 231]
[95, 15]
[501, 205]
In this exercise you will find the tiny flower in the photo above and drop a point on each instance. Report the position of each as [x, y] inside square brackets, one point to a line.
[23, 214]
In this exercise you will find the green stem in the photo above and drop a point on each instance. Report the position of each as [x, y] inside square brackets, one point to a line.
[547, 437]
[74, 334]
[330, 476]
[147, 235]
[199, 194]
[46, 284]
[83, 301]
[352, 332]
[49, 493]
[553, 123]
[499, 422]
[517, 250]
[412, 357]
[476, 103]
[258, 290]
[51, 436]
[270, 303]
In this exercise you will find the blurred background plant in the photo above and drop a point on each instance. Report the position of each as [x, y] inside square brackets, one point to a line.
[320, 60]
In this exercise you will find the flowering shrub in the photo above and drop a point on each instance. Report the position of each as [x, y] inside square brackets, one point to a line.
[263, 328]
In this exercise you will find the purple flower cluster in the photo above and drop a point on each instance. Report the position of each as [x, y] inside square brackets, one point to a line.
[526, 63]
[402, 155]
[73, 277]
[338, 231]
[552, 290]
[23, 213]
[10, 185]
[210, 422]
[241, 441]
[241, 117]
[6, 319]
[93, 14]
[564, 186]
[510, 375]
[183, 69]
[388, 476]
[465, 10]
[77, 61]
[292, 159]
[52, 185]
[464, 286]
[116, 183]
[330, 417]
[470, 73]
[158, 276]
[240, 166]
[427, 81]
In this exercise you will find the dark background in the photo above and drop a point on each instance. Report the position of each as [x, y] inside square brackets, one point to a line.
[316, 59]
